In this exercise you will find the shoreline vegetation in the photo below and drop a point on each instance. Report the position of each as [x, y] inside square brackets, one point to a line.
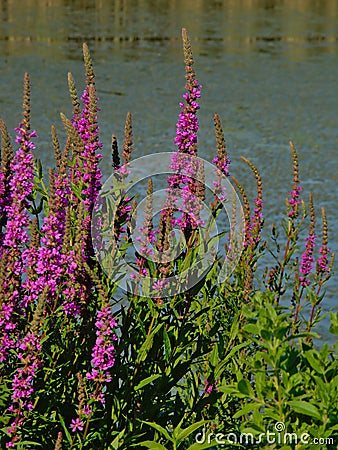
[85, 366]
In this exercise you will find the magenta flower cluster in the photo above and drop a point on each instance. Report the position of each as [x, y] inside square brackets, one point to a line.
[187, 125]
[294, 201]
[16, 235]
[22, 384]
[103, 354]
[89, 171]
[307, 261]
[21, 185]
[183, 185]
[323, 262]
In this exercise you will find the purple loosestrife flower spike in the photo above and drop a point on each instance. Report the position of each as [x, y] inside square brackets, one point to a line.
[23, 380]
[323, 262]
[184, 184]
[16, 235]
[128, 139]
[58, 443]
[187, 126]
[6, 157]
[83, 130]
[293, 202]
[116, 162]
[307, 260]
[222, 160]
[103, 353]
[255, 226]
[48, 260]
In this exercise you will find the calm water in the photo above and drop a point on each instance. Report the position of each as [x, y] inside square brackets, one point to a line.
[269, 68]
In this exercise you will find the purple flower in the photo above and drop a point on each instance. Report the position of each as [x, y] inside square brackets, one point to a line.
[306, 265]
[88, 170]
[210, 387]
[187, 125]
[16, 235]
[294, 201]
[323, 262]
[159, 285]
[86, 410]
[103, 353]
[222, 164]
[76, 424]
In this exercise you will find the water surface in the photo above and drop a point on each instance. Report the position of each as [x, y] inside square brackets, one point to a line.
[269, 68]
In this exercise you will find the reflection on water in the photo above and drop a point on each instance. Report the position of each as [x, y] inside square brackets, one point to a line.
[233, 23]
[268, 67]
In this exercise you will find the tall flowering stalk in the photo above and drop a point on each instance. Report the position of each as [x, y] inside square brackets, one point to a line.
[222, 162]
[183, 186]
[23, 381]
[103, 352]
[323, 267]
[292, 228]
[187, 125]
[86, 174]
[16, 235]
[255, 224]
[307, 261]
[6, 157]
[294, 201]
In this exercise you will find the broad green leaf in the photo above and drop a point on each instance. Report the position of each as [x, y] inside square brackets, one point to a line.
[305, 408]
[248, 408]
[313, 360]
[160, 429]
[251, 328]
[245, 387]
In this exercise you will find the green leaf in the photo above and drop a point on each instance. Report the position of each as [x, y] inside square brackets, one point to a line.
[251, 328]
[147, 381]
[69, 437]
[150, 444]
[248, 408]
[313, 360]
[167, 345]
[187, 431]
[197, 446]
[305, 408]
[334, 323]
[245, 387]
[160, 429]
[30, 443]
[145, 347]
